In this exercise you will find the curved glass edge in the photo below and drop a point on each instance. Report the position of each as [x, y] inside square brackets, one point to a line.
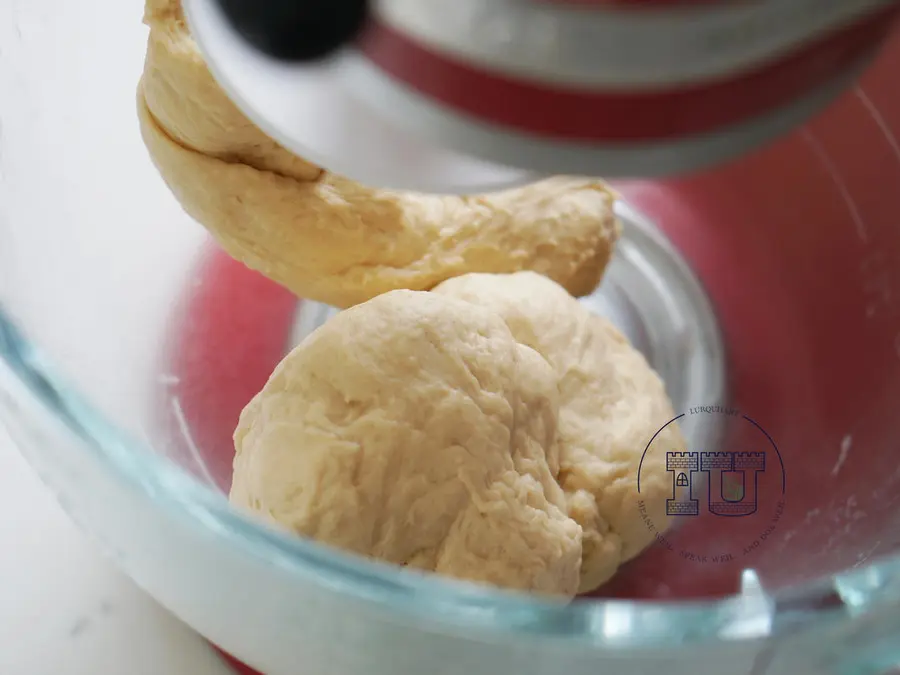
[475, 612]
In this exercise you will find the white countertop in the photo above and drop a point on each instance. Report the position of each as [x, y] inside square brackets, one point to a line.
[64, 609]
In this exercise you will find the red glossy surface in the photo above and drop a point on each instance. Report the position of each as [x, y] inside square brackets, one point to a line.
[798, 247]
[227, 336]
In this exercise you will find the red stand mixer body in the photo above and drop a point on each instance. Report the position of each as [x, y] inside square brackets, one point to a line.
[633, 88]
[610, 83]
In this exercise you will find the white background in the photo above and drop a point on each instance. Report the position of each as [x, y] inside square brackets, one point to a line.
[64, 609]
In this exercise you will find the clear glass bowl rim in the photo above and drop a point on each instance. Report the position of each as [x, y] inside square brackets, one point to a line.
[480, 613]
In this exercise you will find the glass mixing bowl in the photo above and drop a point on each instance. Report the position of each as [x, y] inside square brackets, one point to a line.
[766, 293]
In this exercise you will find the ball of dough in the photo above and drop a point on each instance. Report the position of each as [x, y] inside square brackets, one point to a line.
[611, 404]
[414, 429]
[490, 430]
[327, 238]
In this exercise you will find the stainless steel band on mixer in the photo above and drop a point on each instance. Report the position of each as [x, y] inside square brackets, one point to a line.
[619, 75]
[626, 45]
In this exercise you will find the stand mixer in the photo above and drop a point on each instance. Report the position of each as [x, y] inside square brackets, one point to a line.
[476, 94]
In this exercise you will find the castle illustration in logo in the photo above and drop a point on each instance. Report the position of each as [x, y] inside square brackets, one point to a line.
[731, 480]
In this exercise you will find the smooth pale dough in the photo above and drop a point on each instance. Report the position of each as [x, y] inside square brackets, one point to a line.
[611, 402]
[327, 238]
[490, 431]
[414, 429]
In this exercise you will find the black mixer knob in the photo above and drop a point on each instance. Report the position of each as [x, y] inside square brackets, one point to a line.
[296, 30]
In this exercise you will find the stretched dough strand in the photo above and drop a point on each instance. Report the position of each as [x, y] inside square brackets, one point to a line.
[330, 239]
